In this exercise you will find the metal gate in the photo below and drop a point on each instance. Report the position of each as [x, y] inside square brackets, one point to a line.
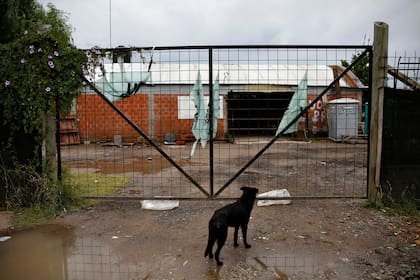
[130, 132]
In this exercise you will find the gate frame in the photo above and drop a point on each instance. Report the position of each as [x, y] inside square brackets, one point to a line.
[367, 50]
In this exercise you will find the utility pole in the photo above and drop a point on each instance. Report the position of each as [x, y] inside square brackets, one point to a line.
[379, 78]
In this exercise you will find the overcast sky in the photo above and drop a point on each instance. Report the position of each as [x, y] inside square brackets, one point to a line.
[142, 23]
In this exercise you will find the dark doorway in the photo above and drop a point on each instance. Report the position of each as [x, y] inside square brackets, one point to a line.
[256, 113]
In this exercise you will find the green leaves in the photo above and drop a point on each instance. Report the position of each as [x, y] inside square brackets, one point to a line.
[39, 70]
[361, 69]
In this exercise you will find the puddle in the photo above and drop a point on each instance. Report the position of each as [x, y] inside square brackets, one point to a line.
[144, 165]
[40, 253]
[53, 252]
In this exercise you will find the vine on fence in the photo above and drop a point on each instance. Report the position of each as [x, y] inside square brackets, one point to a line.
[40, 71]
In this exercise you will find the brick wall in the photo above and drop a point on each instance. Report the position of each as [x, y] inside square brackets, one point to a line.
[98, 121]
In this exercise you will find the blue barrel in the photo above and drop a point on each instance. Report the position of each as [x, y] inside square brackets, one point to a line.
[367, 118]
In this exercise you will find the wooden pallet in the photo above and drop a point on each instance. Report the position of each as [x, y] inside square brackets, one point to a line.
[69, 132]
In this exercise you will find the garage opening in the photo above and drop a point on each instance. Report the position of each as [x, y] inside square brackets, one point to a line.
[256, 113]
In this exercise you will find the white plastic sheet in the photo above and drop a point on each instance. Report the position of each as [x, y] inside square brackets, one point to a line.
[159, 205]
[4, 238]
[282, 193]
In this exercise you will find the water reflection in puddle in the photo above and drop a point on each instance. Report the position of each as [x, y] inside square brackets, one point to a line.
[58, 252]
[53, 252]
[40, 253]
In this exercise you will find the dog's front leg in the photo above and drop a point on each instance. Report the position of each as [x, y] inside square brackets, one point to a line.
[235, 237]
[244, 228]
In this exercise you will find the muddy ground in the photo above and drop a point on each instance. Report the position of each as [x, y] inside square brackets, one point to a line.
[307, 168]
[308, 239]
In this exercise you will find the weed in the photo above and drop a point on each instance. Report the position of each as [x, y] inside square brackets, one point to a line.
[408, 208]
[66, 196]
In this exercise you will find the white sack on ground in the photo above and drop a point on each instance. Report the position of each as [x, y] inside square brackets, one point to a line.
[160, 205]
[274, 193]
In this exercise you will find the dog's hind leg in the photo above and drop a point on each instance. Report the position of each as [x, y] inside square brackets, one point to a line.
[244, 228]
[235, 237]
[221, 239]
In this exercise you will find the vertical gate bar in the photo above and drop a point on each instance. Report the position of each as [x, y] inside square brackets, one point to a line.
[369, 114]
[271, 142]
[210, 119]
[147, 138]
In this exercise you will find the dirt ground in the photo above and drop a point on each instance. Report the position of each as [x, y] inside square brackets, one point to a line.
[312, 168]
[308, 239]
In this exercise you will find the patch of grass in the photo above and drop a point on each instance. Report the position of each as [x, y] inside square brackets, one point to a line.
[27, 217]
[94, 184]
[71, 196]
[409, 209]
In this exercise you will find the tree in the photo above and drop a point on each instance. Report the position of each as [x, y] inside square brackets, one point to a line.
[360, 69]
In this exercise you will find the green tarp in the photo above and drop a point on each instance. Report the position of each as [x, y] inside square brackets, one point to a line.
[201, 126]
[298, 102]
[120, 84]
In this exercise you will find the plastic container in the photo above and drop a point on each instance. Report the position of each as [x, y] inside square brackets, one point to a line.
[343, 118]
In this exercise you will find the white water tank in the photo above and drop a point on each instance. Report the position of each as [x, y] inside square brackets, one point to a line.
[343, 118]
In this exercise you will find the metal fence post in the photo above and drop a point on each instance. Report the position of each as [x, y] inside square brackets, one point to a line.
[210, 120]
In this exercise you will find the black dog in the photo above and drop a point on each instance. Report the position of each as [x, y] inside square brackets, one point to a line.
[232, 215]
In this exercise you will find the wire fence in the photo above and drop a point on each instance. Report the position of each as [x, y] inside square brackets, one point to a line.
[133, 131]
[404, 72]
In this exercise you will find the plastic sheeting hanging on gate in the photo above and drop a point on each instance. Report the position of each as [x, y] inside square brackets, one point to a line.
[116, 85]
[297, 103]
[201, 125]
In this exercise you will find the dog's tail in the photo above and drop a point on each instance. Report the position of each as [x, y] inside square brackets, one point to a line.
[207, 252]
[210, 242]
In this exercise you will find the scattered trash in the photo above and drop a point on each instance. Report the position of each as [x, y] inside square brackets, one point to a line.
[134, 191]
[159, 204]
[345, 260]
[185, 263]
[114, 237]
[118, 140]
[260, 262]
[4, 238]
[274, 194]
[170, 139]
[262, 238]
[280, 275]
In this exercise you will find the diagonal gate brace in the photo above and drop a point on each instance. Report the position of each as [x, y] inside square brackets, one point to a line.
[147, 138]
[268, 145]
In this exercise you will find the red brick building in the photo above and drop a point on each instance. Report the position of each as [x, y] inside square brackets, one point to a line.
[162, 105]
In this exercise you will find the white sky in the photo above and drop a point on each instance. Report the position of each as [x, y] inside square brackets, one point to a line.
[142, 23]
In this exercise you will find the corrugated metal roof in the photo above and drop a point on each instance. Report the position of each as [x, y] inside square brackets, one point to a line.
[269, 74]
